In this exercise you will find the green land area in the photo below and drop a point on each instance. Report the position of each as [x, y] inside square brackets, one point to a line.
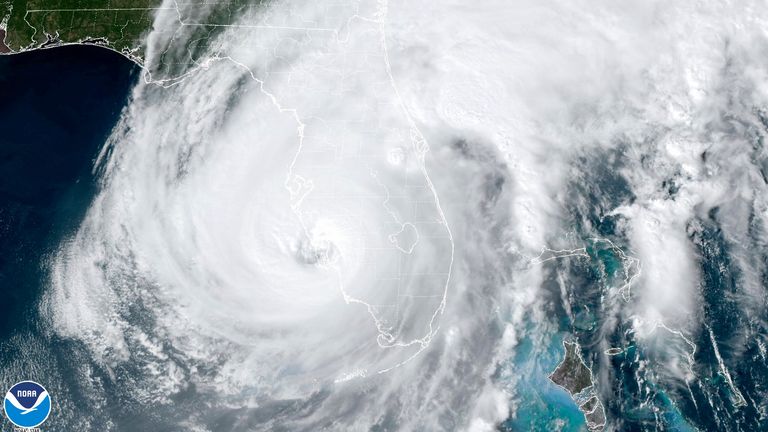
[121, 25]
[118, 24]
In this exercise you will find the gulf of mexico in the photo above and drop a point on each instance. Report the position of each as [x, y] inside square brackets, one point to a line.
[57, 107]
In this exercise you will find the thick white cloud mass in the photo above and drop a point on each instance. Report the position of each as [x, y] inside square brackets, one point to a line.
[327, 217]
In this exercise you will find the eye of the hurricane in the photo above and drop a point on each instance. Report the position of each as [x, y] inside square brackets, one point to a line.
[316, 248]
[305, 227]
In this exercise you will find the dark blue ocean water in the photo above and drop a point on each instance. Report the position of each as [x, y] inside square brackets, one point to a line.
[56, 111]
[57, 107]
[634, 386]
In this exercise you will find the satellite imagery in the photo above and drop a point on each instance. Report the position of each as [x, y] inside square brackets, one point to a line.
[384, 215]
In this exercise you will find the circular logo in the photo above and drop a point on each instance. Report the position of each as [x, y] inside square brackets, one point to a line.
[27, 404]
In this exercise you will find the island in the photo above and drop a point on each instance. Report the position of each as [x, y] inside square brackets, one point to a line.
[573, 375]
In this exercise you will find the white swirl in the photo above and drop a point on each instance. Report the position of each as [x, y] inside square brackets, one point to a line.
[287, 218]
[269, 226]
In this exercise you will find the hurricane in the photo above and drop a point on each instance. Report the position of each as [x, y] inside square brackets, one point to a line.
[392, 215]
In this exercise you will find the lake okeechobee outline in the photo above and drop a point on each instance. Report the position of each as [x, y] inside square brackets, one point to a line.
[27, 404]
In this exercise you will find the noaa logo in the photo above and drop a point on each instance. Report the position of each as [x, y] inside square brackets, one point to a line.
[27, 404]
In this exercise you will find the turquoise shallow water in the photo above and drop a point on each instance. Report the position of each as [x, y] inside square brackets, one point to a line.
[58, 107]
[541, 405]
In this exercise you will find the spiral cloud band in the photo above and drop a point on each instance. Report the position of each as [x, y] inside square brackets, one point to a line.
[376, 215]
